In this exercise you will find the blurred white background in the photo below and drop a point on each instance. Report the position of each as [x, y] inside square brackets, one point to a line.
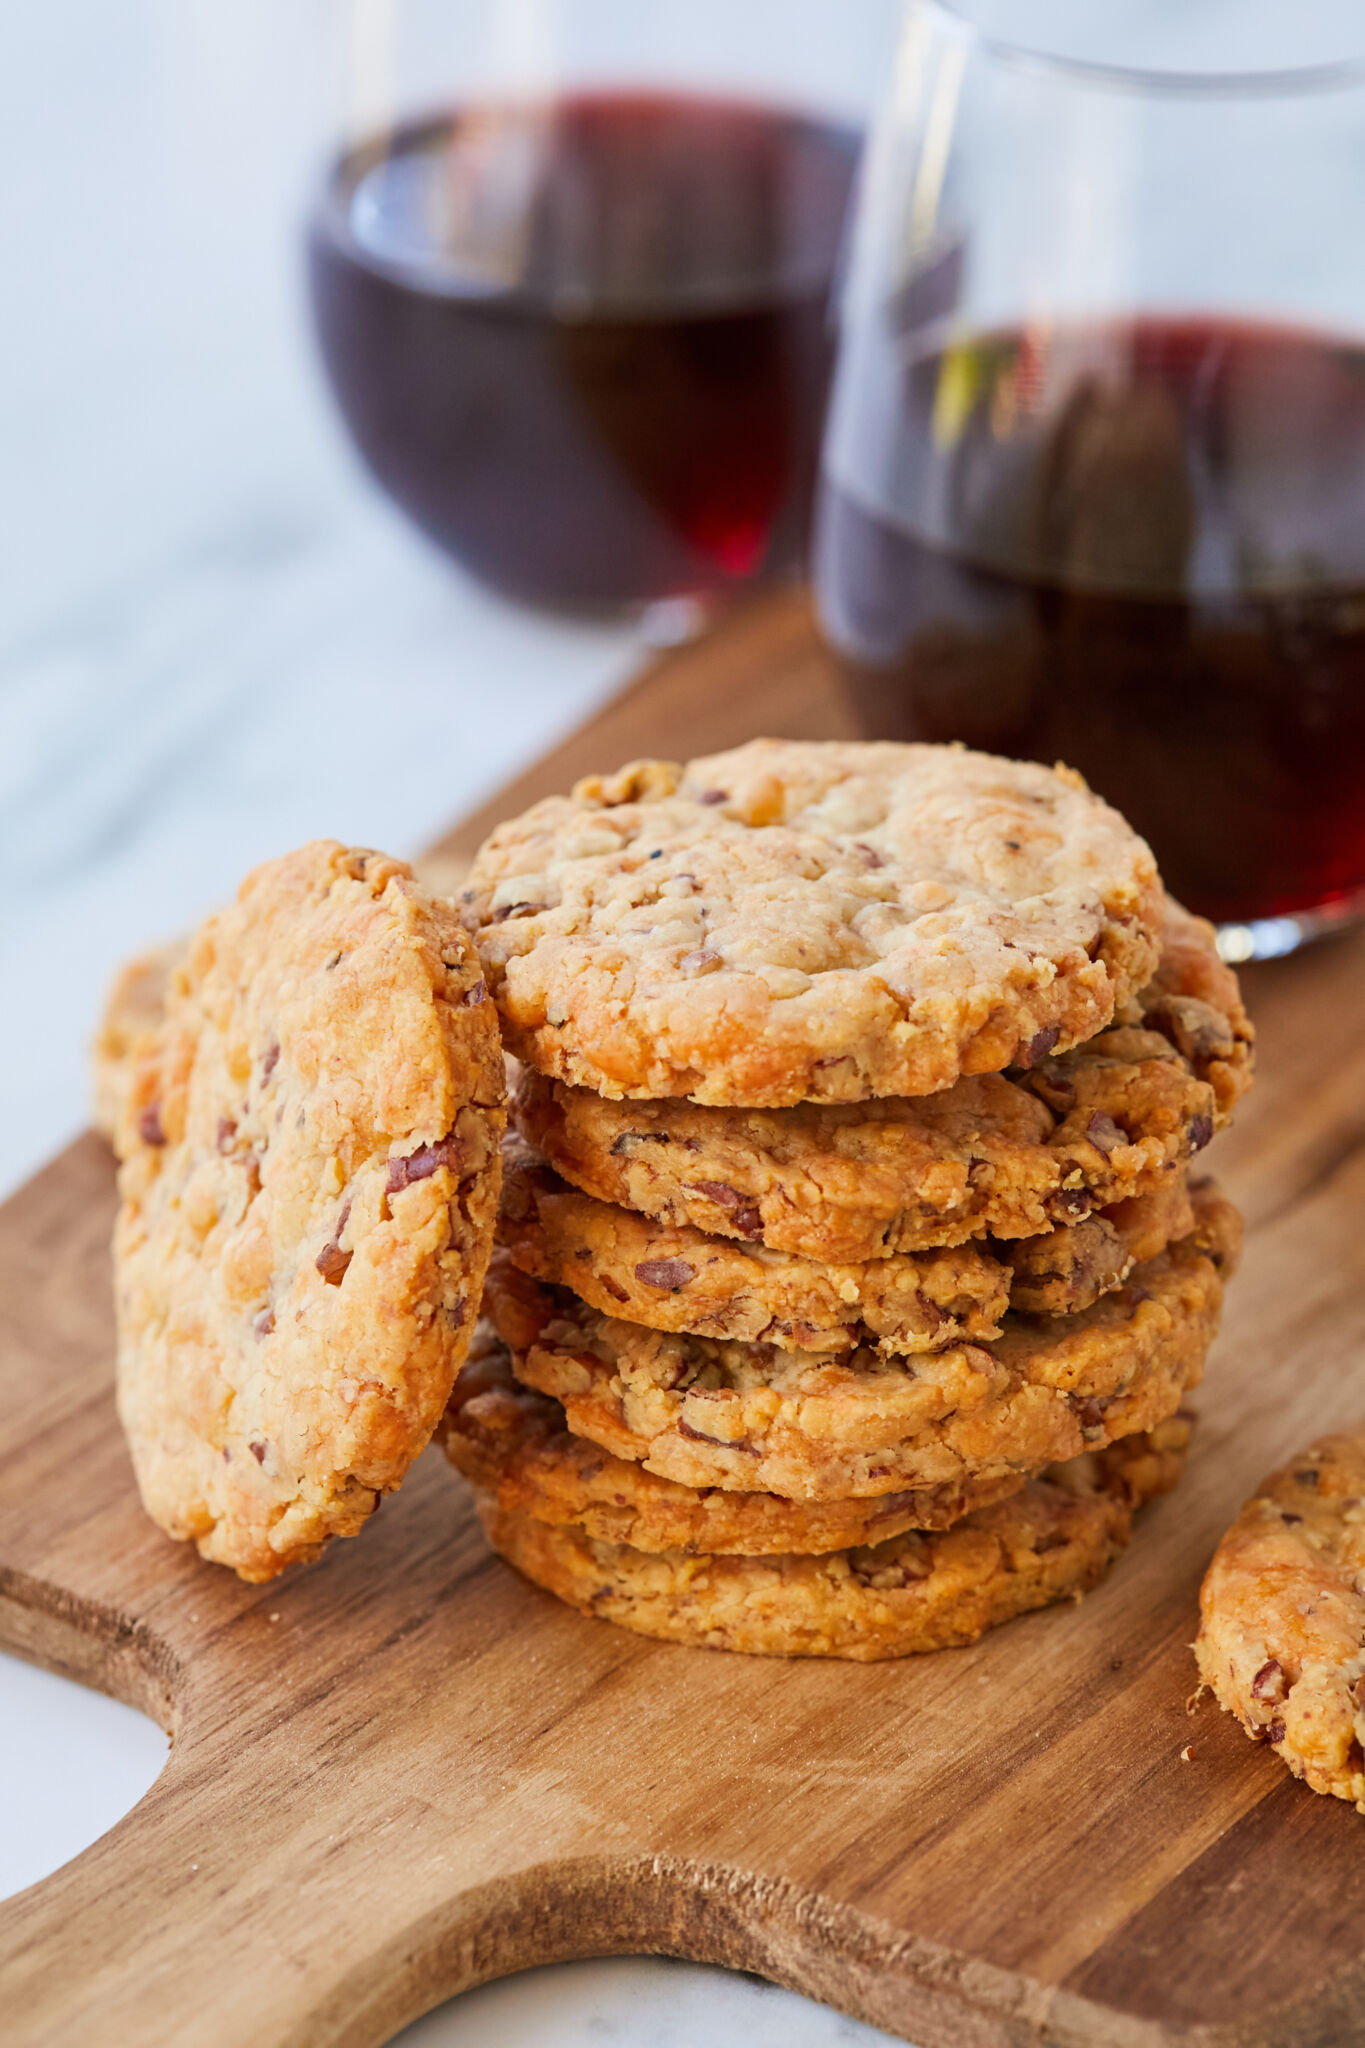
[216, 641]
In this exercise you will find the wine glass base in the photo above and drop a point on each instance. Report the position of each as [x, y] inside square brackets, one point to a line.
[1270, 938]
[673, 621]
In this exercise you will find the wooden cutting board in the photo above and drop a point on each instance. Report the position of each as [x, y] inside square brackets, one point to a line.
[405, 1771]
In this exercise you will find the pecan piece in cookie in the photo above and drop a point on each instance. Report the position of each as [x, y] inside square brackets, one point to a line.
[1077, 1263]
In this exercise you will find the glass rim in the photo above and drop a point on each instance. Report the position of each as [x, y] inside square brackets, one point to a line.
[1272, 82]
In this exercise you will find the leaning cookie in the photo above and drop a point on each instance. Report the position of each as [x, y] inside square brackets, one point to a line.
[754, 1417]
[311, 1146]
[678, 1278]
[1053, 1540]
[1282, 1629]
[1009, 1155]
[514, 1445]
[802, 920]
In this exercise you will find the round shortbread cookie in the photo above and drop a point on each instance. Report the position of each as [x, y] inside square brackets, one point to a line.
[756, 1418]
[1052, 1540]
[824, 920]
[1282, 1628]
[515, 1445]
[133, 1008]
[628, 1265]
[312, 1156]
[994, 1154]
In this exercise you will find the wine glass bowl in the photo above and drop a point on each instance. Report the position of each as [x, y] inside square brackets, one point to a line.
[1094, 477]
[575, 315]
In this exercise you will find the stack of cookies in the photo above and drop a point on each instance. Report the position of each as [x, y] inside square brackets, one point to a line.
[852, 1270]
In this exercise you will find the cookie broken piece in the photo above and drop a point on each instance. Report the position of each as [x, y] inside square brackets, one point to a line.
[514, 1445]
[1282, 1617]
[754, 1417]
[679, 1278]
[1011, 1155]
[311, 1164]
[798, 921]
[914, 1592]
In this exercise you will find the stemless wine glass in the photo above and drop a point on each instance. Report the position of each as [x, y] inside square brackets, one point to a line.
[1094, 475]
[570, 271]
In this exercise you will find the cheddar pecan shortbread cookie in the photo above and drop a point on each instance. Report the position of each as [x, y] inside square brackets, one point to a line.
[133, 1008]
[811, 920]
[813, 1427]
[1006, 1154]
[1282, 1629]
[681, 1279]
[311, 1146]
[1053, 1540]
[515, 1445]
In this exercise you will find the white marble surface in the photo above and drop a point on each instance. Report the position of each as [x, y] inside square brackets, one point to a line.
[214, 642]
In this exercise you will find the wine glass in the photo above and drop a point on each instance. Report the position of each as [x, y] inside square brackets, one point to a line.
[1094, 475]
[569, 273]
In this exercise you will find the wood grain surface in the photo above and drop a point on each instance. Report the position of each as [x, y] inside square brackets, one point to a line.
[405, 1771]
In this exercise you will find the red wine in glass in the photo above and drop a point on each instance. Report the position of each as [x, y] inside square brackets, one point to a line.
[584, 343]
[1138, 547]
